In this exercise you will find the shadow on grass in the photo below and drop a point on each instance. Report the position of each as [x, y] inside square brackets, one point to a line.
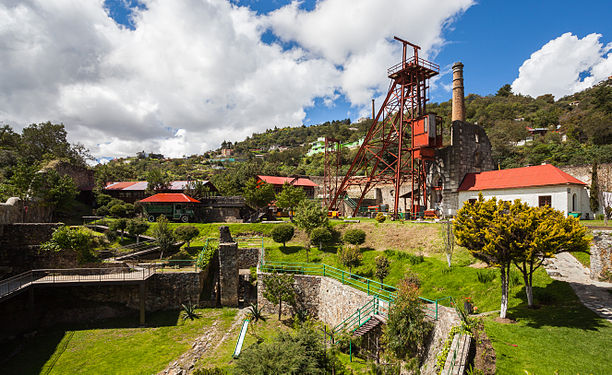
[37, 354]
[290, 249]
[556, 305]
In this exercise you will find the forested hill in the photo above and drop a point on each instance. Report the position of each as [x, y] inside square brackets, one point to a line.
[578, 131]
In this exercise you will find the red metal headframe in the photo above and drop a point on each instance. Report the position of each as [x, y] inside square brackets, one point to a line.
[391, 152]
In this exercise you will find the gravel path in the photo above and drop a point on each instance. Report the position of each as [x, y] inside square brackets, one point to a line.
[593, 294]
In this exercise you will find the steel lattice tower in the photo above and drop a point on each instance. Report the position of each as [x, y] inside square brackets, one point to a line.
[402, 138]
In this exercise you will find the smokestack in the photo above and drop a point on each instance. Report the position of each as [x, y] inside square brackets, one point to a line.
[458, 104]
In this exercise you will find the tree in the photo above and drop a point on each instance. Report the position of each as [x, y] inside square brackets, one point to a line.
[320, 236]
[476, 227]
[382, 267]
[283, 233]
[163, 234]
[136, 227]
[355, 236]
[594, 191]
[449, 240]
[186, 233]
[157, 180]
[258, 194]
[407, 329]
[289, 198]
[537, 233]
[279, 289]
[349, 256]
[47, 141]
[78, 240]
[119, 225]
[197, 189]
[54, 190]
[504, 91]
[298, 353]
[310, 215]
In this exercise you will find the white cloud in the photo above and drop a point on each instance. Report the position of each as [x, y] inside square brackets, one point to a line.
[556, 68]
[193, 73]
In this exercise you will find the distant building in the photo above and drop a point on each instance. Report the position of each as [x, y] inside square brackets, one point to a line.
[225, 152]
[278, 182]
[132, 191]
[541, 185]
[318, 146]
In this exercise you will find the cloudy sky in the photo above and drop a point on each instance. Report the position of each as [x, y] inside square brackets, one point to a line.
[180, 76]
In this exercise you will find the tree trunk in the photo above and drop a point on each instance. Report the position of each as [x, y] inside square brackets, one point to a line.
[280, 308]
[505, 270]
[448, 259]
[137, 238]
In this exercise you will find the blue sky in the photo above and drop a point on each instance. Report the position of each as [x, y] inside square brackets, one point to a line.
[492, 39]
[181, 76]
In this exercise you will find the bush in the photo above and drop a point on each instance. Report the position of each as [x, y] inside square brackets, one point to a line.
[117, 210]
[283, 233]
[186, 233]
[380, 217]
[599, 216]
[349, 256]
[321, 237]
[102, 211]
[72, 239]
[354, 236]
[485, 276]
[110, 235]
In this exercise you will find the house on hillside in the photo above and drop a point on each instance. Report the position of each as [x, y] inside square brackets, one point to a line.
[278, 182]
[541, 185]
[131, 191]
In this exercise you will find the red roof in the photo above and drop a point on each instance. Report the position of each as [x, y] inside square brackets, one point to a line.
[539, 175]
[120, 185]
[274, 180]
[169, 198]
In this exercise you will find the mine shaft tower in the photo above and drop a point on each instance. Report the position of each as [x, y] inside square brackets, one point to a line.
[402, 140]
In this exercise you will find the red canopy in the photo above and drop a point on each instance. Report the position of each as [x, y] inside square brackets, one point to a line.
[169, 198]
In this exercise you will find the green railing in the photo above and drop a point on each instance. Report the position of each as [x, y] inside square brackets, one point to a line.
[360, 317]
[371, 287]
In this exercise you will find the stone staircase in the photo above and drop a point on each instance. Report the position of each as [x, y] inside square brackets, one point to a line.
[372, 323]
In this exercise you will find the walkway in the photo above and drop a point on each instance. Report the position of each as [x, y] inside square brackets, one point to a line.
[71, 276]
[593, 294]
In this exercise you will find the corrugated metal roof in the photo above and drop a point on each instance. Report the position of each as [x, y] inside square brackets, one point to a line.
[170, 198]
[275, 180]
[539, 175]
[142, 185]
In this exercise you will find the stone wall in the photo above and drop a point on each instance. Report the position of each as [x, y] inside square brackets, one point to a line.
[228, 268]
[601, 254]
[14, 211]
[469, 152]
[324, 298]
[583, 173]
[247, 258]
[75, 304]
[19, 247]
[307, 290]
[447, 319]
[338, 301]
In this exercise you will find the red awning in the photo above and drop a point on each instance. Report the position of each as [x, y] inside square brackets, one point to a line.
[170, 198]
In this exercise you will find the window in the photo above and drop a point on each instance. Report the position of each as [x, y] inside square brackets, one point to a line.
[544, 200]
[473, 200]
[574, 205]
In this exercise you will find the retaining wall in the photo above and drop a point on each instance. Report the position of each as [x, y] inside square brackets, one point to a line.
[601, 254]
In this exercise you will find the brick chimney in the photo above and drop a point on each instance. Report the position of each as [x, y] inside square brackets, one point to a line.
[458, 104]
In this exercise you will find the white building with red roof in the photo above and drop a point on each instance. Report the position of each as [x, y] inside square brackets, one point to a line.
[537, 186]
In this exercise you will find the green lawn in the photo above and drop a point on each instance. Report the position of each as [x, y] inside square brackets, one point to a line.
[115, 346]
[565, 337]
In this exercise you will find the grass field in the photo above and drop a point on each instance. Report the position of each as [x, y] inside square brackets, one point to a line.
[115, 346]
[565, 337]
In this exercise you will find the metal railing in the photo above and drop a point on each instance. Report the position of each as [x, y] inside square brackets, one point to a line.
[360, 317]
[371, 287]
[71, 275]
[412, 61]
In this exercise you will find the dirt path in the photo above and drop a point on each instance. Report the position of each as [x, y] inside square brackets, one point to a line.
[593, 294]
[213, 336]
